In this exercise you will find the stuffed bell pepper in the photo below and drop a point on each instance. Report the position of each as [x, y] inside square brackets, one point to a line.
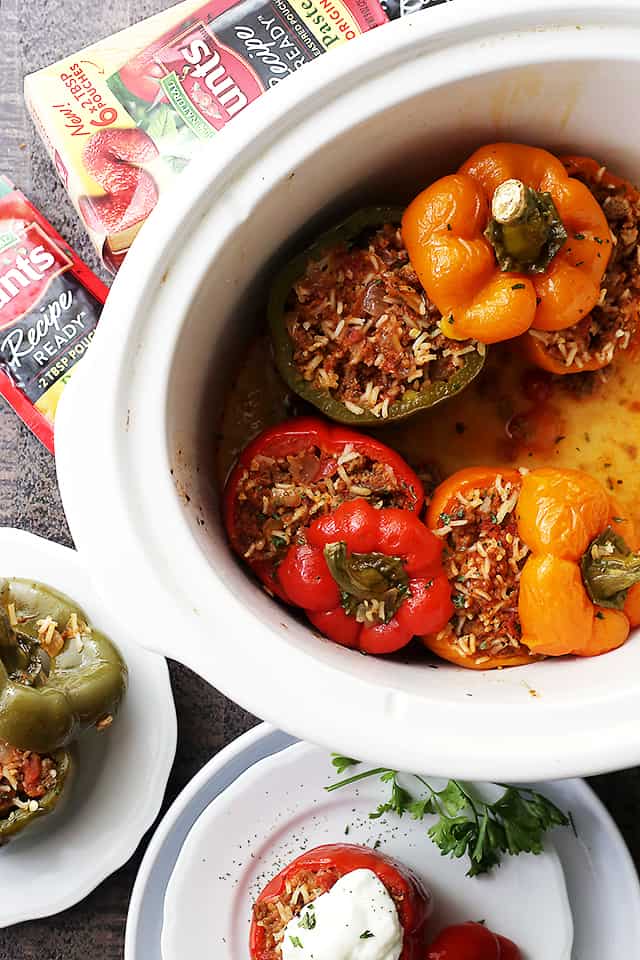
[540, 563]
[341, 900]
[354, 333]
[510, 242]
[298, 471]
[58, 675]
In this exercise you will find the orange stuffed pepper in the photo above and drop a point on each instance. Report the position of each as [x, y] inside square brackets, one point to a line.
[540, 563]
[510, 242]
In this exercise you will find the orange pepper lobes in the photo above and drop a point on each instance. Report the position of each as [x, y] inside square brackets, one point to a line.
[444, 232]
[560, 513]
[536, 351]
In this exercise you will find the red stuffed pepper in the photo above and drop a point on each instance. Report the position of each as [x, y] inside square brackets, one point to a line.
[297, 471]
[337, 894]
[471, 941]
[369, 579]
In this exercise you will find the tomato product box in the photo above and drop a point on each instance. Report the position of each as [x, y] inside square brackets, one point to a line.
[123, 117]
[50, 303]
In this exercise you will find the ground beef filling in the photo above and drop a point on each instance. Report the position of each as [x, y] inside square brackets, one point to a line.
[612, 324]
[25, 777]
[483, 559]
[273, 915]
[278, 497]
[364, 330]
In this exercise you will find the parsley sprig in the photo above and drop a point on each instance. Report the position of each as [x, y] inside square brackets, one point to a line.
[466, 824]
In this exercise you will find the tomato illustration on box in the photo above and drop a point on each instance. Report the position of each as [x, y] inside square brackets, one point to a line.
[125, 116]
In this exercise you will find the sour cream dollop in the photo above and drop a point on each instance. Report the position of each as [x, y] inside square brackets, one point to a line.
[356, 920]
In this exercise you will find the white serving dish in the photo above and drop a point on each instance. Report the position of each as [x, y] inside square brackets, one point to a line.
[278, 808]
[374, 120]
[597, 867]
[119, 777]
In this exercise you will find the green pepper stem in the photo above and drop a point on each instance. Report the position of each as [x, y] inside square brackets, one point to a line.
[373, 585]
[525, 231]
[609, 570]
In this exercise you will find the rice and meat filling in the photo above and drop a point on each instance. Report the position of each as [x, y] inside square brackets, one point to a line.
[483, 559]
[25, 777]
[279, 496]
[303, 888]
[613, 323]
[364, 330]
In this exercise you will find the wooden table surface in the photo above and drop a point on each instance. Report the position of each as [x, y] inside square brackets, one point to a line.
[32, 36]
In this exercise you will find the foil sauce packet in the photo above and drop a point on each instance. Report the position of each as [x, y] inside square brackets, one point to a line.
[50, 303]
[123, 117]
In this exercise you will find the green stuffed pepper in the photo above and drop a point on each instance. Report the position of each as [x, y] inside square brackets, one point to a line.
[354, 332]
[31, 786]
[58, 675]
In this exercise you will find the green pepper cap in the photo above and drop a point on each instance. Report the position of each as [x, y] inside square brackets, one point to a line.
[609, 570]
[525, 231]
[367, 581]
[413, 401]
[46, 701]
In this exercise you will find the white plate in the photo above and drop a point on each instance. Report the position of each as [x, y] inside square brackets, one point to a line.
[279, 808]
[597, 867]
[599, 873]
[120, 776]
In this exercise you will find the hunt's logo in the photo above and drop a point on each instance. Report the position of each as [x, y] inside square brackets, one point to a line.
[29, 261]
[216, 80]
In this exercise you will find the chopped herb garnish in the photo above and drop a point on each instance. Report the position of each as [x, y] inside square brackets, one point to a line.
[366, 935]
[278, 540]
[457, 600]
[518, 286]
[466, 824]
[599, 615]
[308, 920]
[450, 319]
[598, 240]
[579, 236]
[444, 519]
[346, 830]
[296, 941]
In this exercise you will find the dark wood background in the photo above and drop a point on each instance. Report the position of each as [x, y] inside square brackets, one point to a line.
[33, 35]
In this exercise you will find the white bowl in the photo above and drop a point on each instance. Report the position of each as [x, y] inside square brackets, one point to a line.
[118, 783]
[374, 120]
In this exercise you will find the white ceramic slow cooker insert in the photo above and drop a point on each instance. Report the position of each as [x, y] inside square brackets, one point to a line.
[135, 433]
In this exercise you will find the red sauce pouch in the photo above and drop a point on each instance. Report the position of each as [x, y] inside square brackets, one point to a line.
[50, 304]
